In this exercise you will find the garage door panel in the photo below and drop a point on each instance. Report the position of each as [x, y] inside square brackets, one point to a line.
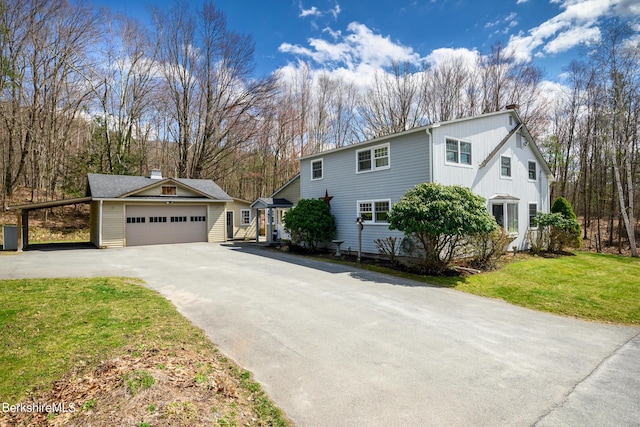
[153, 225]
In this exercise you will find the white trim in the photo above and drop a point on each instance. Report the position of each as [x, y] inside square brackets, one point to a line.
[373, 210]
[537, 168]
[372, 150]
[458, 141]
[321, 160]
[242, 211]
[510, 176]
[529, 214]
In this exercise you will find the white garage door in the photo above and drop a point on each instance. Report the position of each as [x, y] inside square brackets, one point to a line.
[153, 225]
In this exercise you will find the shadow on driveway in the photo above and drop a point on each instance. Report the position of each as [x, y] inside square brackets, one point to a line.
[325, 266]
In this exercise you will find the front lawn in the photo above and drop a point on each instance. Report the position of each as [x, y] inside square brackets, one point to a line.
[589, 286]
[113, 350]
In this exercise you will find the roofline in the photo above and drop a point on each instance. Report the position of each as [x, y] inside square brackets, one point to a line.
[165, 181]
[367, 142]
[50, 204]
[237, 199]
[164, 199]
[426, 128]
[283, 186]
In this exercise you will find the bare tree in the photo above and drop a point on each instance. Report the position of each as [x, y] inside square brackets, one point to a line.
[394, 103]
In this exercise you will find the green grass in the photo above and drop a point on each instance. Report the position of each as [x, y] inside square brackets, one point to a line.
[589, 286]
[48, 327]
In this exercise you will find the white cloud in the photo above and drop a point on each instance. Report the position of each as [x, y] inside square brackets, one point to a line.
[359, 46]
[521, 1]
[314, 11]
[468, 57]
[572, 37]
[309, 12]
[575, 25]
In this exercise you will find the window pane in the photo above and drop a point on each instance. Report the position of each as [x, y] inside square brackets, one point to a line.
[533, 210]
[532, 170]
[498, 214]
[382, 156]
[505, 169]
[452, 151]
[316, 168]
[512, 218]
[364, 160]
[465, 153]
[366, 212]
[382, 211]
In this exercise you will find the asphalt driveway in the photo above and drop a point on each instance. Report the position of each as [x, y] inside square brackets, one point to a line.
[340, 347]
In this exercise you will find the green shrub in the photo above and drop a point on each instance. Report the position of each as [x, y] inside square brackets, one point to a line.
[438, 218]
[554, 233]
[487, 248]
[310, 222]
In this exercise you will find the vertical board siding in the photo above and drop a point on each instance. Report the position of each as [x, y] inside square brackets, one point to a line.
[409, 165]
[485, 134]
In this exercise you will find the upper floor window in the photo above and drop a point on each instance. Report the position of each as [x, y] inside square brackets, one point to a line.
[374, 211]
[505, 166]
[375, 158]
[533, 172]
[169, 190]
[316, 169]
[458, 151]
[245, 217]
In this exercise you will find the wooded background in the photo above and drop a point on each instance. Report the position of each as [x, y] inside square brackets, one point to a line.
[83, 90]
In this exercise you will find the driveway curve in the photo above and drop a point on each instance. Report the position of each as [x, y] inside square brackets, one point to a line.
[347, 347]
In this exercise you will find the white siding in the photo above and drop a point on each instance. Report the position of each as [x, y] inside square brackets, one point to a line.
[485, 134]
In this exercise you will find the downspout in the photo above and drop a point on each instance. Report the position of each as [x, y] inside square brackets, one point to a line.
[430, 148]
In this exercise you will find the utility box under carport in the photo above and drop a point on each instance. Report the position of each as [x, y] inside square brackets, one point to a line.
[9, 237]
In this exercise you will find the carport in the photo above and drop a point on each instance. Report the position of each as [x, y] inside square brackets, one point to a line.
[22, 214]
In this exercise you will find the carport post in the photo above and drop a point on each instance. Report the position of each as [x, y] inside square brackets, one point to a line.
[19, 217]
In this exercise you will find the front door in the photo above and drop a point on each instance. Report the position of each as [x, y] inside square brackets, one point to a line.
[229, 224]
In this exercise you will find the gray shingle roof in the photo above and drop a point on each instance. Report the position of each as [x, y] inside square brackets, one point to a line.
[103, 186]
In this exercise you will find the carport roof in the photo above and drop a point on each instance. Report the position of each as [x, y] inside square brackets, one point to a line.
[49, 204]
[103, 186]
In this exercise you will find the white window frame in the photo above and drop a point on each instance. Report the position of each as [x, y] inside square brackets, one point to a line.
[242, 217]
[532, 227]
[506, 218]
[321, 169]
[372, 151]
[458, 161]
[373, 202]
[510, 176]
[529, 170]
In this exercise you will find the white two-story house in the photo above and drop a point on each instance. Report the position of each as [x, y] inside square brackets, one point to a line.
[493, 154]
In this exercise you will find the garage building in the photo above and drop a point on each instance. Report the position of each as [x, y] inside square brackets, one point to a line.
[135, 210]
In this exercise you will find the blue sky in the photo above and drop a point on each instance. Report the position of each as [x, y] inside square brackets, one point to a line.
[356, 36]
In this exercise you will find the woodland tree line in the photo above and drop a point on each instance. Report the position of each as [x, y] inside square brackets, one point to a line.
[84, 90]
